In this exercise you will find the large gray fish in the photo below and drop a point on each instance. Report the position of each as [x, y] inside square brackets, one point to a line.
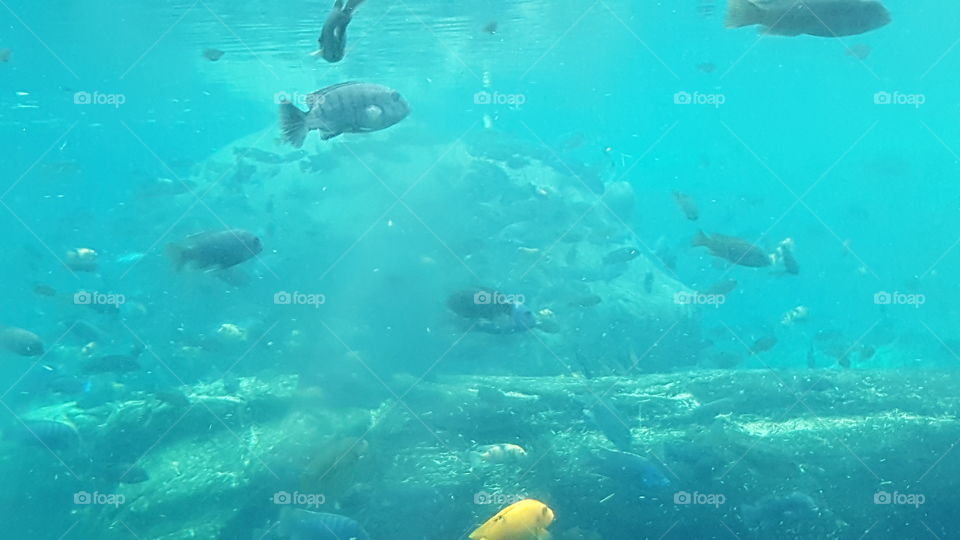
[350, 107]
[20, 341]
[733, 249]
[825, 18]
[215, 250]
[299, 524]
[333, 37]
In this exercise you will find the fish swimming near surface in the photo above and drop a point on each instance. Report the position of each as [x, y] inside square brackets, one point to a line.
[523, 520]
[333, 36]
[20, 341]
[687, 205]
[350, 107]
[299, 524]
[733, 249]
[46, 433]
[621, 255]
[824, 18]
[215, 250]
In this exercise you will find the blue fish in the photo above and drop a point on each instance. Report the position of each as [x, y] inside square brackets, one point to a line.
[631, 468]
[299, 524]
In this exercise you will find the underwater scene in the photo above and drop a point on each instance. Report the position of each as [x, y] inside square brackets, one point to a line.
[480, 270]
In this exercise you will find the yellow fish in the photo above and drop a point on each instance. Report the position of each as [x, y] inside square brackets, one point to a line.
[523, 520]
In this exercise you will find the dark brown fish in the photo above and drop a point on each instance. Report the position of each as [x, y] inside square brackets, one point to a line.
[212, 54]
[215, 250]
[721, 287]
[350, 107]
[733, 249]
[333, 36]
[687, 205]
[824, 18]
[763, 344]
[20, 341]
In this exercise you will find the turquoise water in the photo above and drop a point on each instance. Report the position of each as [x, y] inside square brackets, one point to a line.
[533, 152]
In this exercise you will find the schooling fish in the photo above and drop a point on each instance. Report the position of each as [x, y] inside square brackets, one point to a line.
[350, 107]
[215, 250]
[824, 18]
[299, 524]
[20, 341]
[733, 249]
[333, 37]
[523, 520]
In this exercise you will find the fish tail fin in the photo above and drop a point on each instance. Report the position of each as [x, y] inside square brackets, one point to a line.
[176, 255]
[742, 13]
[352, 5]
[700, 239]
[293, 124]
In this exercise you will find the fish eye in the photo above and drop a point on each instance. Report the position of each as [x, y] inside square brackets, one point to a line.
[396, 96]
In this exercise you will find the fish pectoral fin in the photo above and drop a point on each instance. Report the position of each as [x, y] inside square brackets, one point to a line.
[317, 52]
[330, 135]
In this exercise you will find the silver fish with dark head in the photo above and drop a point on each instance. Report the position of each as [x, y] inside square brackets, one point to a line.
[350, 107]
[333, 37]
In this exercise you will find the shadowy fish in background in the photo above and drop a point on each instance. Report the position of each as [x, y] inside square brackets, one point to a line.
[333, 36]
[733, 249]
[5, 55]
[648, 282]
[795, 315]
[44, 290]
[124, 473]
[350, 107]
[476, 304]
[859, 51]
[687, 205]
[20, 341]
[630, 469]
[763, 344]
[824, 18]
[605, 418]
[112, 363]
[215, 250]
[296, 523]
[48, 433]
[497, 453]
[707, 67]
[523, 520]
[780, 512]
[268, 157]
[490, 28]
[621, 255]
[212, 54]
[784, 253]
[82, 260]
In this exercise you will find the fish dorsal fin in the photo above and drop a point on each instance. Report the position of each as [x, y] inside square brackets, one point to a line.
[331, 88]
